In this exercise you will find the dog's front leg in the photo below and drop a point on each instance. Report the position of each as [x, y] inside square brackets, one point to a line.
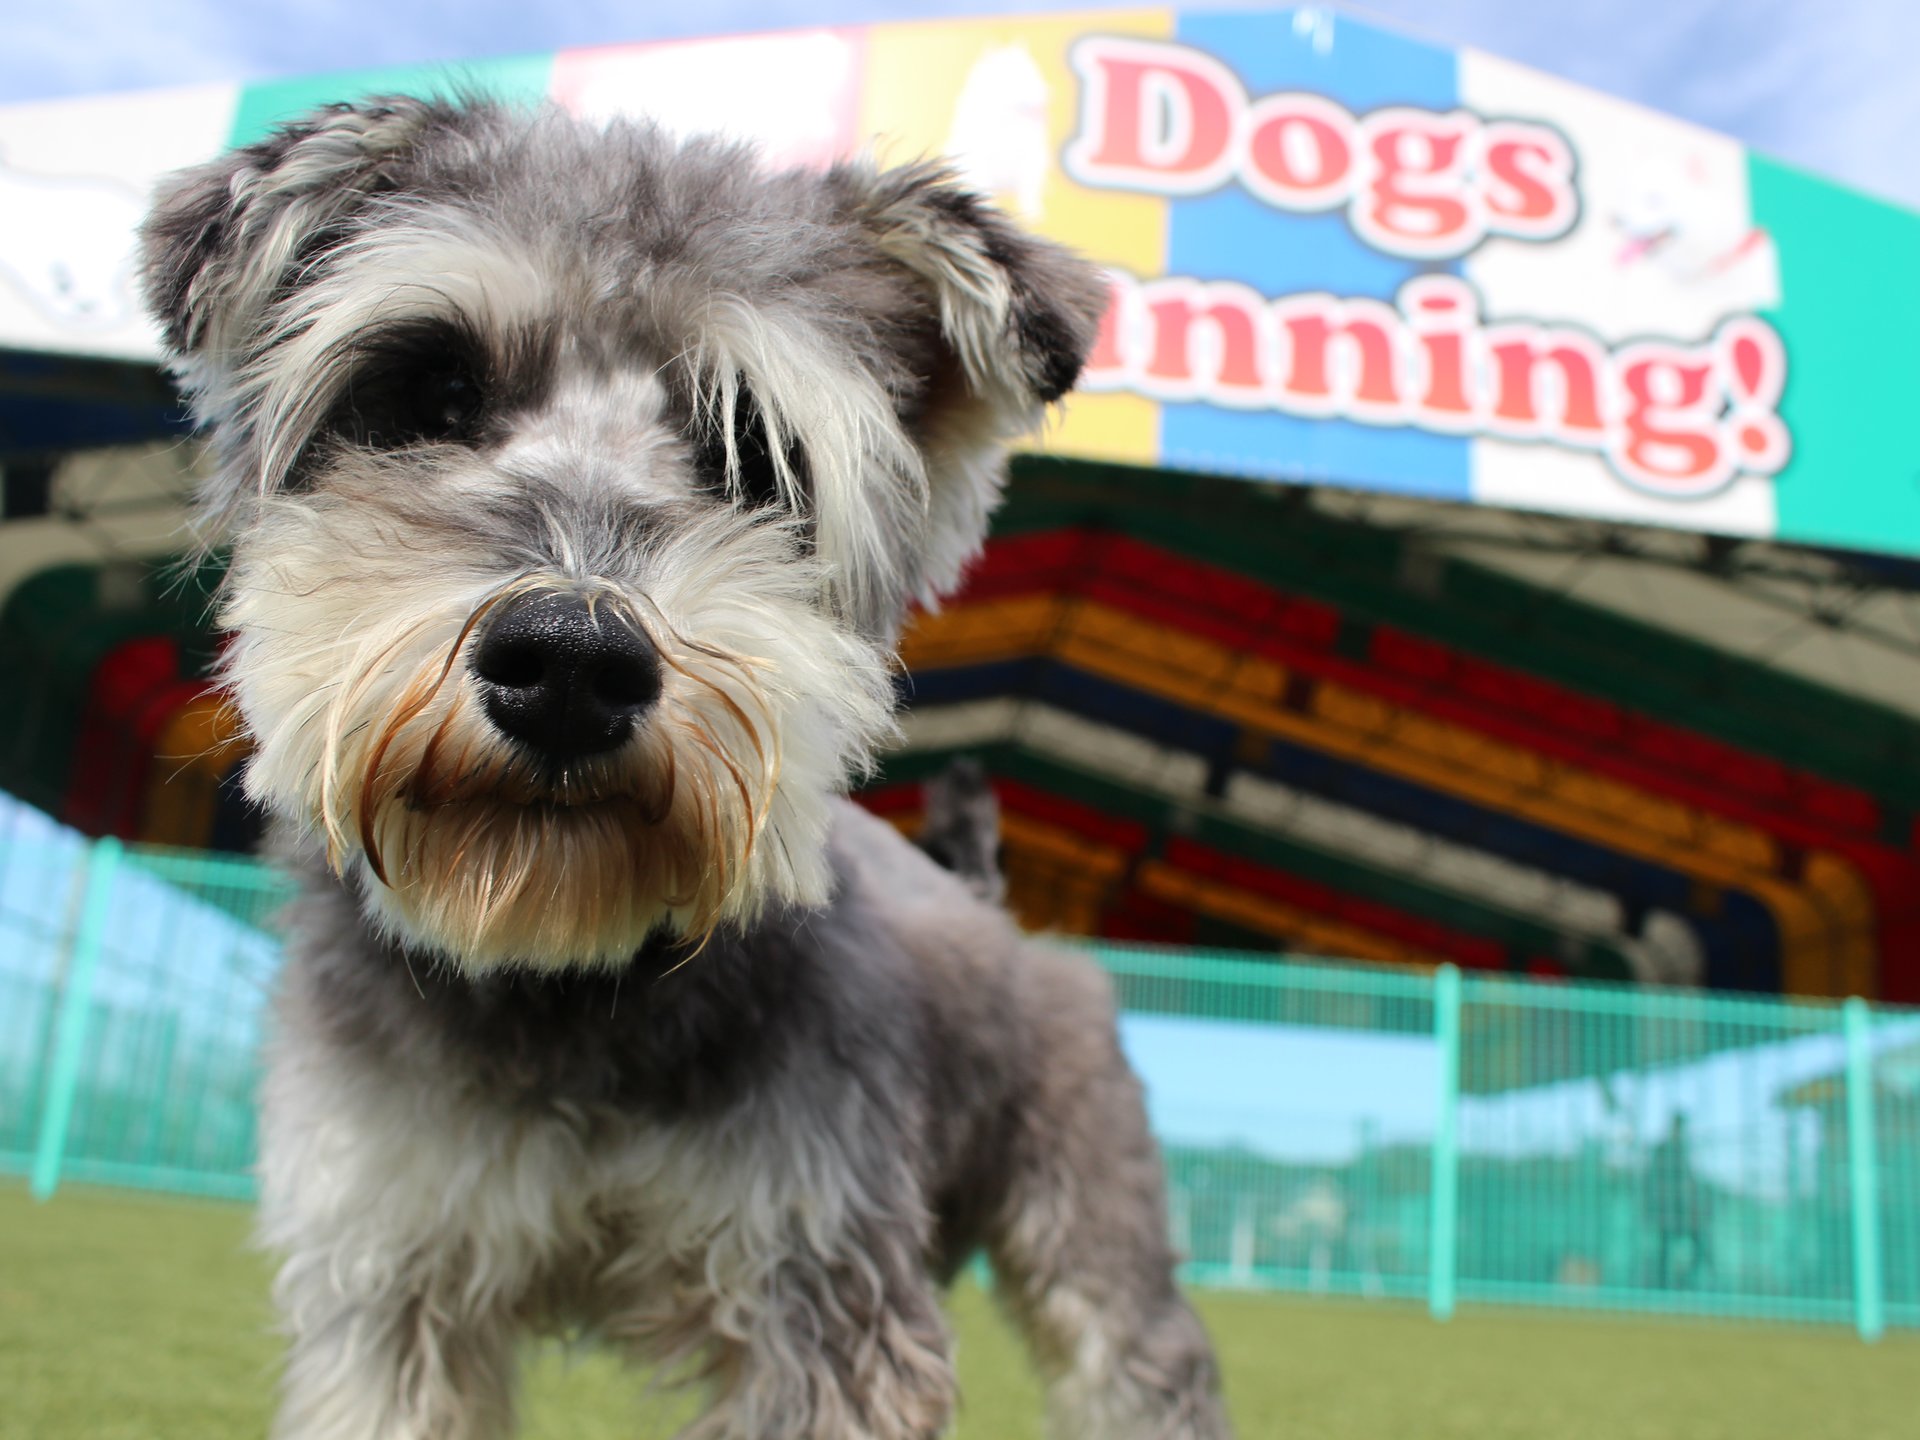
[1080, 1246]
[410, 1361]
[849, 1347]
[403, 1257]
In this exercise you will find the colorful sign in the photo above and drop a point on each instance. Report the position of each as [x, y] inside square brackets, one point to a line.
[1338, 255]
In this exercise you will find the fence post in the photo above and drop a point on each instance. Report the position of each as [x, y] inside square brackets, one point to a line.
[1443, 1246]
[76, 1000]
[1863, 1172]
[1240, 1248]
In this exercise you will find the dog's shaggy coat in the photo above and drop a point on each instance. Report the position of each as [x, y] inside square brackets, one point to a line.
[650, 1034]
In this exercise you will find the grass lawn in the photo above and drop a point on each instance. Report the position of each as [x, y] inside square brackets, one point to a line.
[129, 1318]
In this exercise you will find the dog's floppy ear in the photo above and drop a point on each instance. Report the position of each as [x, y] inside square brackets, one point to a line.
[224, 238]
[1018, 313]
[1016, 317]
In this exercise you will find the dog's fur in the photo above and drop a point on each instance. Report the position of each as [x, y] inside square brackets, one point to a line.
[669, 1044]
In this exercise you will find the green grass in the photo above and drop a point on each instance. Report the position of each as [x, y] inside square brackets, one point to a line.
[128, 1318]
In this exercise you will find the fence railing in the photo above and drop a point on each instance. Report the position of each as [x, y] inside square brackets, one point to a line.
[1336, 1128]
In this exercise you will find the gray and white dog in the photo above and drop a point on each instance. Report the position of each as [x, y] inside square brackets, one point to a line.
[576, 482]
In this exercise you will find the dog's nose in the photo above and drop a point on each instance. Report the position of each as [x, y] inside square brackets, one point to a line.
[564, 678]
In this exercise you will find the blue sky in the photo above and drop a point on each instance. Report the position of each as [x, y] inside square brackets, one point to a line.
[1825, 85]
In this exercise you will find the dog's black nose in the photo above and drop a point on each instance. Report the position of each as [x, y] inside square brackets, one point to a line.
[565, 679]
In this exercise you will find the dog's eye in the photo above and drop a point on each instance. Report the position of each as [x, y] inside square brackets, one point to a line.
[757, 477]
[412, 391]
[436, 404]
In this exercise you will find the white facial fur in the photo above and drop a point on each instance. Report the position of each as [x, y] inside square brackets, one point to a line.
[353, 611]
[628, 295]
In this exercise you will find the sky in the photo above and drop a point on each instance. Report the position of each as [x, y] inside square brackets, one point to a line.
[1827, 85]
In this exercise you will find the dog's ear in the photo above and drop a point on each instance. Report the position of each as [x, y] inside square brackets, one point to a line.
[1014, 317]
[224, 238]
[1018, 313]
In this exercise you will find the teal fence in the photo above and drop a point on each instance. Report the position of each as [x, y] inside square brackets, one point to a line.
[1342, 1129]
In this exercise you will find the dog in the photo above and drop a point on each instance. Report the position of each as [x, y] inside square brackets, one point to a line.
[961, 828]
[576, 482]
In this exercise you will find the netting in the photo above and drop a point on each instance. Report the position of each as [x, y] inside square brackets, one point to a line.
[1347, 1129]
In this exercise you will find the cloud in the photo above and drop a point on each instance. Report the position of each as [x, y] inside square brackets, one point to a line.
[1827, 87]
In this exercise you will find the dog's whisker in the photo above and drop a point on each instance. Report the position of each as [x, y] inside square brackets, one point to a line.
[749, 808]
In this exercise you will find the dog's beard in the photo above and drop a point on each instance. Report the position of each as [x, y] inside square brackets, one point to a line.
[496, 855]
[350, 668]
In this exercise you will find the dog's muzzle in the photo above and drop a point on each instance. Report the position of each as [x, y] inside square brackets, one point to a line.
[565, 678]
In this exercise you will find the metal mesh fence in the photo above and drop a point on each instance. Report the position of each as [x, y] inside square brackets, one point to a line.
[133, 984]
[1333, 1128]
